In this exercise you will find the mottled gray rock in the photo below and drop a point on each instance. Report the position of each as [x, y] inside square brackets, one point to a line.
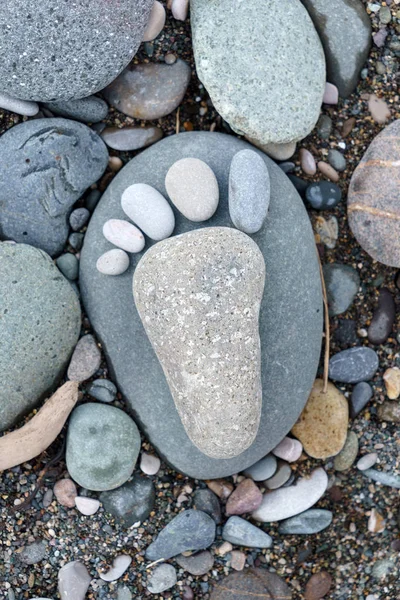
[73, 581]
[217, 385]
[263, 469]
[103, 444]
[75, 240]
[163, 578]
[78, 218]
[33, 553]
[336, 159]
[47, 164]
[307, 523]
[345, 31]
[240, 532]
[131, 138]
[249, 191]
[383, 318]
[88, 110]
[348, 454]
[68, 265]
[382, 477]
[39, 327]
[190, 530]
[197, 564]
[323, 195]
[149, 91]
[208, 502]
[56, 53]
[85, 360]
[342, 283]
[360, 396]
[103, 390]
[287, 243]
[132, 502]
[353, 365]
[254, 86]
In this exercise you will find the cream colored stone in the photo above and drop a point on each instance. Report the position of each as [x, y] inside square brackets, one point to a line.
[113, 262]
[156, 22]
[391, 378]
[124, 235]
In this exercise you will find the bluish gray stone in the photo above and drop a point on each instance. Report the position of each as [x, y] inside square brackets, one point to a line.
[383, 477]
[47, 164]
[33, 553]
[240, 532]
[254, 86]
[342, 283]
[61, 52]
[353, 365]
[103, 444]
[336, 159]
[103, 390]
[39, 327]
[88, 110]
[163, 578]
[75, 240]
[323, 195]
[263, 469]
[307, 523]
[360, 396]
[208, 502]
[383, 318]
[290, 338]
[78, 218]
[249, 191]
[68, 265]
[190, 530]
[132, 502]
[345, 31]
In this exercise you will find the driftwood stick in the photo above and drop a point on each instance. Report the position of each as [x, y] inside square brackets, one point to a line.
[327, 328]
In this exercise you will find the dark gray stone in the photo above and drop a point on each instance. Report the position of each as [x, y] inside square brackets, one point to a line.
[348, 454]
[75, 240]
[353, 365]
[323, 195]
[103, 390]
[62, 52]
[190, 530]
[92, 199]
[382, 477]
[47, 164]
[361, 395]
[345, 31]
[307, 523]
[197, 564]
[342, 283]
[290, 338]
[78, 218]
[68, 265]
[208, 502]
[383, 318]
[240, 532]
[88, 110]
[39, 327]
[324, 127]
[132, 502]
[103, 444]
[33, 553]
[346, 332]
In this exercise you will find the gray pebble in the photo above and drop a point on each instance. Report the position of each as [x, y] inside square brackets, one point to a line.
[132, 502]
[323, 195]
[263, 469]
[353, 365]
[197, 564]
[382, 477]
[73, 581]
[281, 476]
[163, 578]
[92, 199]
[240, 532]
[367, 461]
[75, 240]
[85, 360]
[307, 523]
[47, 498]
[336, 160]
[88, 110]
[78, 218]
[361, 395]
[68, 265]
[348, 454]
[33, 553]
[207, 501]
[123, 593]
[20, 107]
[324, 127]
[103, 390]
[383, 318]
[342, 283]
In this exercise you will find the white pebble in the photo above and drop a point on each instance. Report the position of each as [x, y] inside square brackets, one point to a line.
[87, 506]
[149, 464]
[156, 22]
[113, 262]
[180, 9]
[367, 461]
[149, 210]
[124, 235]
[21, 107]
[288, 449]
[120, 565]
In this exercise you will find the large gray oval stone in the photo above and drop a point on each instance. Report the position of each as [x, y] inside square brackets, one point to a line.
[40, 320]
[47, 164]
[290, 314]
[63, 50]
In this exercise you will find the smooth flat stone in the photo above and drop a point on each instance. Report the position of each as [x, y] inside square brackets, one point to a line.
[282, 476]
[68, 265]
[244, 499]
[163, 578]
[307, 523]
[156, 22]
[103, 444]
[114, 262]
[383, 318]
[254, 86]
[193, 189]
[287, 243]
[318, 586]
[183, 308]
[39, 328]
[307, 162]
[353, 365]
[73, 581]
[190, 530]
[149, 91]
[197, 564]
[130, 138]
[288, 449]
[367, 461]
[21, 107]
[336, 160]
[85, 360]
[47, 164]
[120, 565]
[360, 396]
[240, 532]
[251, 583]
[342, 283]
[249, 191]
[132, 502]
[149, 464]
[38, 60]
[87, 506]
[149, 210]
[290, 501]
[382, 477]
[124, 235]
[263, 469]
[89, 110]
[348, 454]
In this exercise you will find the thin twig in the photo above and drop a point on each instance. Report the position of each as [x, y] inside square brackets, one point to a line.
[177, 120]
[155, 563]
[327, 329]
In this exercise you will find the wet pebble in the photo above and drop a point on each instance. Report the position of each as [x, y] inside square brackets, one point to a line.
[367, 461]
[68, 265]
[328, 171]
[156, 22]
[348, 454]
[324, 127]
[323, 195]
[307, 162]
[103, 390]
[318, 586]
[113, 262]
[149, 210]
[149, 464]
[353, 365]
[85, 360]
[342, 283]
[263, 469]
[206, 501]
[240, 532]
[307, 523]
[87, 506]
[244, 499]
[336, 160]
[196, 564]
[78, 218]
[119, 566]
[288, 449]
[131, 138]
[361, 395]
[65, 492]
[124, 235]
[383, 318]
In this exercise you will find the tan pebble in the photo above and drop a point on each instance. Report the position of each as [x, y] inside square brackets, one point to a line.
[156, 22]
[391, 378]
[328, 171]
[65, 491]
[376, 523]
[222, 488]
[224, 549]
[318, 586]
[115, 163]
[275, 151]
[328, 230]
[322, 426]
[238, 560]
[114, 262]
[379, 109]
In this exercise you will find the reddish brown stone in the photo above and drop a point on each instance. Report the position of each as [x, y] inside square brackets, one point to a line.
[251, 583]
[246, 498]
[318, 586]
[373, 199]
[389, 411]
[65, 491]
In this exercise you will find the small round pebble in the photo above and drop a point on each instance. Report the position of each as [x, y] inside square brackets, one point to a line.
[193, 189]
[156, 22]
[367, 461]
[149, 210]
[87, 506]
[163, 578]
[263, 469]
[68, 265]
[170, 58]
[281, 476]
[180, 9]
[244, 499]
[75, 240]
[149, 464]
[65, 491]
[120, 565]
[196, 564]
[327, 170]
[103, 390]
[85, 359]
[114, 262]
[336, 160]
[78, 218]
[33, 553]
[288, 449]
[324, 127]
[238, 560]
[318, 586]
[331, 94]
[124, 235]
[354, 365]
[307, 162]
[323, 195]
[115, 164]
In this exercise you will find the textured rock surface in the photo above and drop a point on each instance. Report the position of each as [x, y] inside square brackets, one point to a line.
[85, 360]
[197, 564]
[251, 583]
[47, 164]
[199, 295]
[287, 243]
[103, 444]
[342, 283]
[254, 86]
[372, 201]
[322, 427]
[33, 553]
[163, 578]
[58, 53]
[345, 31]
[88, 110]
[309, 522]
[245, 498]
[240, 532]
[39, 328]
[348, 454]
[353, 365]
[131, 502]
[208, 502]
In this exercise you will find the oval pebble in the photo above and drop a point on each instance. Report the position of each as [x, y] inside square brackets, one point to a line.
[65, 491]
[120, 565]
[249, 191]
[263, 469]
[327, 170]
[342, 283]
[68, 265]
[354, 365]
[130, 138]
[149, 464]
[103, 390]
[193, 189]
[361, 395]
[124, 235]
[348, 454]
[307, 162]
[113, 262]
[281, 477]
[336, 160]
[382, 477]
[180, 9]
[383, 318]
[156, 22]
[87, 506]
[20, 107]
[240, 532]
[149, 210]
[307, 523]
[323, 195]
[163, 578]
[288, 449]
[318, 586]
[391, 378]
[331, 94]
[78, 218]
[367, 461]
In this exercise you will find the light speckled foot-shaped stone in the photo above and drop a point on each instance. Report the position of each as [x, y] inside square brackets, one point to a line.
[199, 295]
